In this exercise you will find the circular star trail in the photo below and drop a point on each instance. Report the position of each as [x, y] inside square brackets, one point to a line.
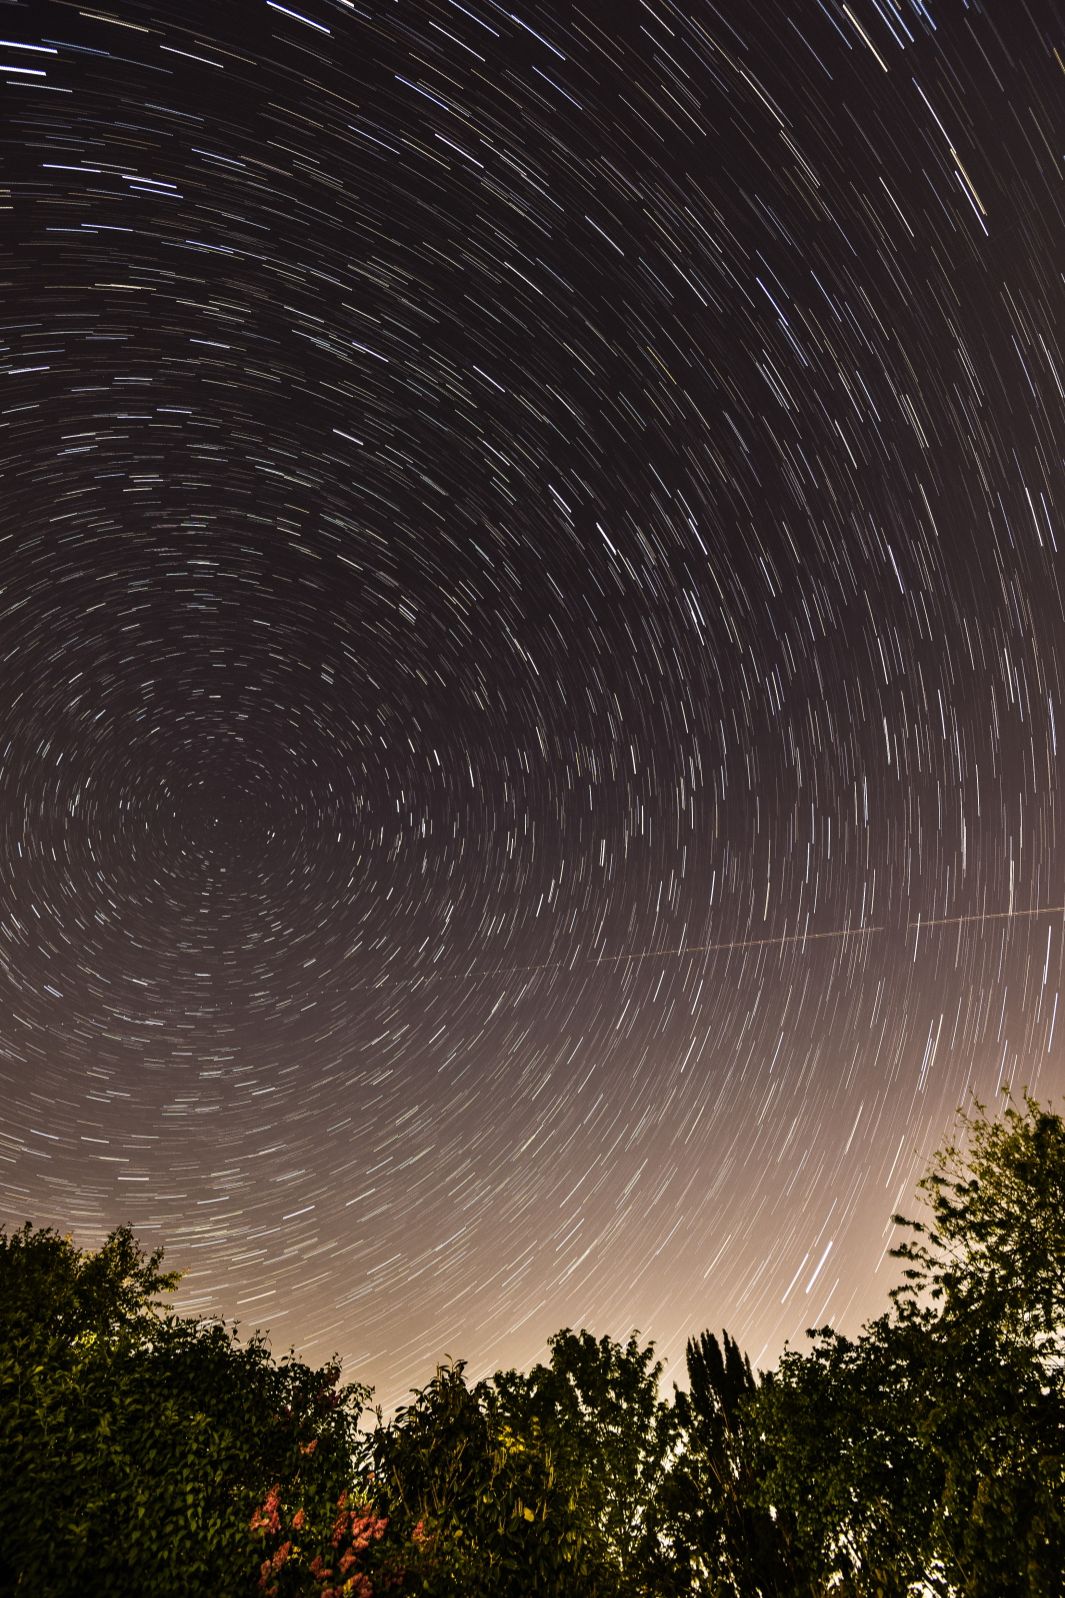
[530, 648]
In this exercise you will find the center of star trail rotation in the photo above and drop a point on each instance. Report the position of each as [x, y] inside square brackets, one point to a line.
[530, 648]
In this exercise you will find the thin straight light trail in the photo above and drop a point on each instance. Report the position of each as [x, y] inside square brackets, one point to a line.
[688, 948]
[989, 915]
[738, 943]
[724, 946]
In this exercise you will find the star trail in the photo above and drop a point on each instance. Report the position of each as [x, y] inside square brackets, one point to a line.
[531, 638]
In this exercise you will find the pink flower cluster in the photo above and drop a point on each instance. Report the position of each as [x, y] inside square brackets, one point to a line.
[266, 1517]
[353, 1533]
[270, 1567]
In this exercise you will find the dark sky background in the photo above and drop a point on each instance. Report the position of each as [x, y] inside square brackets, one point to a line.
[531, 643]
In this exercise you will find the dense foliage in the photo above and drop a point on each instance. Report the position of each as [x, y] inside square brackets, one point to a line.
[145, 1453]
[136, 1445]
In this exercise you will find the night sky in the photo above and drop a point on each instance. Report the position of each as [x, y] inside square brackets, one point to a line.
[531, 644]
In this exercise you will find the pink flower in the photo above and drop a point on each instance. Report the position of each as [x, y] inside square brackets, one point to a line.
[266, 1517]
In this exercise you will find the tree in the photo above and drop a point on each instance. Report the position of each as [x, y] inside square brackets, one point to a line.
[837, 1458]
[714, 1536]
[472, 1502]
[595, 1408]
[434, 1468]
[994, 1249]
[532, 1483]
[136, 1445]
[928, 1455]
[51, 1289]
[985, 1278]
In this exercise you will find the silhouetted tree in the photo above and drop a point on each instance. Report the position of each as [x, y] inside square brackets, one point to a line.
[928, 1455]
[985, 1288]
[712, 1536]
[993, 1250]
